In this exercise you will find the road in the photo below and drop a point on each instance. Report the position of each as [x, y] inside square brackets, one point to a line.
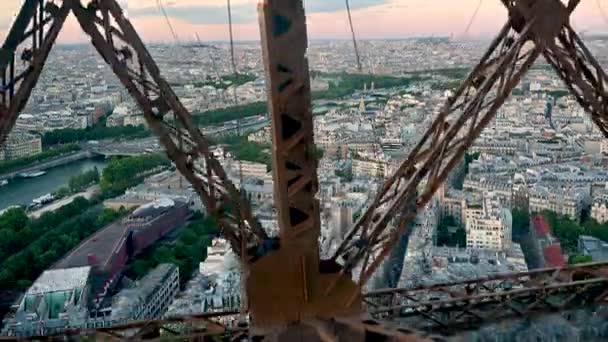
[65, 201]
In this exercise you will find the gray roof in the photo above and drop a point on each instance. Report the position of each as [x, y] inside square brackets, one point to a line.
[127, 300]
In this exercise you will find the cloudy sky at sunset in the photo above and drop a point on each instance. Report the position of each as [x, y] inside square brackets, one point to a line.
[326, 18]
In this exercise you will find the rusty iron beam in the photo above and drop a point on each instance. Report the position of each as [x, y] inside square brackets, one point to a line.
[467, 305]
[187, 326]
[156, 98]
[356, 329]
[582, 74]
[475, 103]
[284, 46]
[294, 164]
[16, 88]
[537, 26]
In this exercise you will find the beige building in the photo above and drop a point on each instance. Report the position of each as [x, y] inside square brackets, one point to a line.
[20, 145]
[250, 169]
[369, 168]
[563, 201]
[489, 226]
[599, 209]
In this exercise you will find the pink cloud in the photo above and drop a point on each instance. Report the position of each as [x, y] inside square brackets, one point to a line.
[398, 19]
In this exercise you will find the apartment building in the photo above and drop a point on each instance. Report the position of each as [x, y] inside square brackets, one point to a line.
[489, 225]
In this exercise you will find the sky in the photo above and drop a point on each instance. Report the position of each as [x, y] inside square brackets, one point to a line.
[326, 19]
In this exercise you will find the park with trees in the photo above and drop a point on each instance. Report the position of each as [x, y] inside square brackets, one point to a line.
[28, 246]
[187, 251]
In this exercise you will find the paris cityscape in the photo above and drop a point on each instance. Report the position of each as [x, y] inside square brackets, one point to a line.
[98, 227]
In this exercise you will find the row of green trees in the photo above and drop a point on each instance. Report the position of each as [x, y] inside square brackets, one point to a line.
[20, 269]
[84, 180]
[20, 236]
[242, 149]
[226, 81]
[97, 132]
[122, 173]
[187, 251]
[446, 238]
[16, 164]
[348, 83]
[78, 183]
[219, 116]
[17, 230]
[568, 231]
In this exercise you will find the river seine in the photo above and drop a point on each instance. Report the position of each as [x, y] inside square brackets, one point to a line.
[23, 191]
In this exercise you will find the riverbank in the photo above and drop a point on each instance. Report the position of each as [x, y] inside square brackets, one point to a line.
[87, 194]
[22, 191]
[49, 164]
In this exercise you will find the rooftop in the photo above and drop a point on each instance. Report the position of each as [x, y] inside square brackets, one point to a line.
[154, 209]
[541, 226]
[101, 246]
[554, 256]
[128, 299]
[63, 279]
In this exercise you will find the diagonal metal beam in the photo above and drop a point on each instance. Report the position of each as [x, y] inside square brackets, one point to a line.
[494, 77]
[581, 73]
[447, 308]
[491, 82]
[16, 88]
[115, 38]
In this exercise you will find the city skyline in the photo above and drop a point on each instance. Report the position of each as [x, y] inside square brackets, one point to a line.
[326, 20]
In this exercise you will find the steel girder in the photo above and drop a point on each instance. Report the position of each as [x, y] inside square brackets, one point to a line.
[122, 49]
[534, 27]
[222, 327]
[201, 327]
[467, 305]
[35, 29]
[441, 148]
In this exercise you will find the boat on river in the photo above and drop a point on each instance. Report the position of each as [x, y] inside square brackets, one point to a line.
[42, 200]
[3, 182]
[32, 174]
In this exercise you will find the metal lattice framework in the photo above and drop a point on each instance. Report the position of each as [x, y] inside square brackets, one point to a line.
[467, 305]
[534, 28]
[123, 50]
[216, 324]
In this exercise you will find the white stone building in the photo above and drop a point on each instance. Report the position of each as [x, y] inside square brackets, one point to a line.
[489, 226]
[599, 208]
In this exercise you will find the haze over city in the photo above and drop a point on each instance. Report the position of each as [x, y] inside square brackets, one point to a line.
[326, 19]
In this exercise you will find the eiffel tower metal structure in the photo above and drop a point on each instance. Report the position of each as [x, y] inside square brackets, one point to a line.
[291, 292]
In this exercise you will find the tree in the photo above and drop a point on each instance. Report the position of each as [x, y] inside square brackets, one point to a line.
[14, 219]
[319, 153]
[580, 259]
[446, 238]
[62, 192]
[12, 165]
[521, 224]
[50, 240]
[121, 173]
[189, 249]
[566, 230]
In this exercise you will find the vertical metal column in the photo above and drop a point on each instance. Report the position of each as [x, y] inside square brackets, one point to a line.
[284, 44]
